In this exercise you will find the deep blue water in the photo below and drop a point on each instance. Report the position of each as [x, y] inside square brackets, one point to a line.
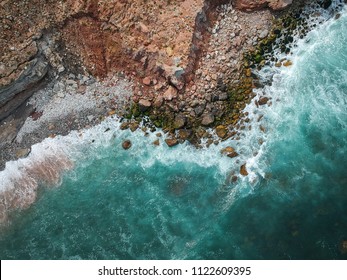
[160, 203]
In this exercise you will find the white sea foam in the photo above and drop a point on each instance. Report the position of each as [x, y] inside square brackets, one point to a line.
[283, 105]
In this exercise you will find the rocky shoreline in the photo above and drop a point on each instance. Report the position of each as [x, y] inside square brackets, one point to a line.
[185, 85]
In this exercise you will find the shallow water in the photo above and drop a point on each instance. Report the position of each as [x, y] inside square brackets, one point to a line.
[175, 203]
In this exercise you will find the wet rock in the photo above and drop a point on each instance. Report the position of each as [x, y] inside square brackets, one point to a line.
[156, 142]
[263, 100]
[144, 105]
[287, 63]
[22, 153]
[221, 131]
[185, 134]
[171, 142]
[227, 150]
[232, 155]
[124, 126]
[207, 119]
[243, 170]
[126, 144]
[133, 126]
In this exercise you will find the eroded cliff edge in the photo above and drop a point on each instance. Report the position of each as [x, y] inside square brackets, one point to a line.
[184, 57]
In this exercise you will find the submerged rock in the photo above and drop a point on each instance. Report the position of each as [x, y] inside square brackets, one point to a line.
[126, 144]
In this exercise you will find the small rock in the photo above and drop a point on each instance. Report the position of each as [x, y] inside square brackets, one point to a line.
[146, 81]
[227, 150]
[170, 93]
[158, 101]
[133, 126]
[233, 154]
[287, 63]
[144, 105]
[199, 109]
[126, 144]
[156, 142]
[90, 118]
[185, 134]
[207, 119]
[263, 100]
[21, 153]
[263, 34]
[243, 170]
[61, 94]
[180, 121]
[158, 134]
[71, 83]
[171, 142]
[221, 131]
[124, 126]
[61, 69]
[278, 64]
[81, 89]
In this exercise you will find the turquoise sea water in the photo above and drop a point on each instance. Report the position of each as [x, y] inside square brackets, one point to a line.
[176, 203]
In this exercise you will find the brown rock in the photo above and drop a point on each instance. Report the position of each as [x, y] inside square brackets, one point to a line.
[185, 134]
[171, 142]
[156, 142]
[243, 170]
[133, 126]
[170, 93]
[287, 63]
[263, 100]
[227, 150]
[233, 154]
[124, 126]
[126, 144]
[144, 105]
[180, 121]
[158, 101]
[207, 120]
[146, 81]
[221, 131]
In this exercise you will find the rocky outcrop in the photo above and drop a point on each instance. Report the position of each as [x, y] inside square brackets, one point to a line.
[15, 93]
[250, 5]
